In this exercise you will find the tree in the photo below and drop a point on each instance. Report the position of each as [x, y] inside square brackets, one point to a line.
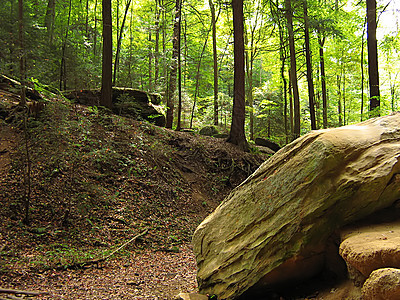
[106, 83]
[237, 134]
[372, 58]
[215, 60]
[293, 70]
[22, 72]
[63, 71]
[170, 95]
[321, 42]
[309, 67]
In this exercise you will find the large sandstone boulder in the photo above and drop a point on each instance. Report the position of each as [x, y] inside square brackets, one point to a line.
[383, 284]
[272, 229]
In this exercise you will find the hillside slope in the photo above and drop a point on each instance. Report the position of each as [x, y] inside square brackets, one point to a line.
[94, 180]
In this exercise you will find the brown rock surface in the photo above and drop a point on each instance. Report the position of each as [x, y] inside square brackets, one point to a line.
[382, 284]
[372, 247]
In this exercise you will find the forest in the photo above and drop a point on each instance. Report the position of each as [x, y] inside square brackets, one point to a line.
[99, 205]
[307, 64]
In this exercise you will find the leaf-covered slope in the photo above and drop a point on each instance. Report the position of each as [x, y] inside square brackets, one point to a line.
[97, 179]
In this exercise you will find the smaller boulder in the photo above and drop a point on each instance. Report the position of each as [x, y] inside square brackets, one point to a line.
[372, 247]
[267, 143]
[382, 284]
[208, 130]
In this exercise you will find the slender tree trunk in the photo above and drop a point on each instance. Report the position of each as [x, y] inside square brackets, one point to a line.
[22, 69]
[321, 41]
[116, 63]
[344, 95]
[373, 59]
[237, 134]
[130, 50]
[291, 109]
[156, 46]
[95, 33]
[174, 64]
[106, 86]
[311, 95]
[27, 175]
[215, 59]
[338, 81]
[150, 55]
[178, 125]
[293, 72]
[282, 55]
[362, 73]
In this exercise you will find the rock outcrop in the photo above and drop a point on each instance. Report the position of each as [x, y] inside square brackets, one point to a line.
[126, 101]
[382, 284]
[273, 227]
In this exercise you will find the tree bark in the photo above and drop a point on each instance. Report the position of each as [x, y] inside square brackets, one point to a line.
[237, 134]
[311, 95]
[22, 70]
[156, 46]
[179, 115]
[215, 60]
[362, 73]
[373, 59]
[293, 71]
[321, 41]
[106, 85]
[49, 19]
[174, 65]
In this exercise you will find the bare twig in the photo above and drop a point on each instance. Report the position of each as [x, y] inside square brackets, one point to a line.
[97, 261]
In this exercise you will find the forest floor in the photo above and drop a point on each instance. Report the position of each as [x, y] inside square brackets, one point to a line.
[97, 181]
[113, 203]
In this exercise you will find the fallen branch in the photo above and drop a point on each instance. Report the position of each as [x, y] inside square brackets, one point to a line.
[16, 292]
[100, 260]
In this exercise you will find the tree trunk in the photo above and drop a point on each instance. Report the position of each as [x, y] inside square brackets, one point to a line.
[156, 46]
[106, 84]
[150, 55]
[174, 64]
[116, 63]
[63, 71]
[293, 71]
[49, 19]
[215, 59]
[178, 124]
[321, 41]
[282, 54]
[311, 96]
[338, 79]
[236, 134]
[362, 73]
[95, 33]
[373, 59]
[22, 70]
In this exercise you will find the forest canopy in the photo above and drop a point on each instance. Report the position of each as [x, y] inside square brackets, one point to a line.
[326, 43]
